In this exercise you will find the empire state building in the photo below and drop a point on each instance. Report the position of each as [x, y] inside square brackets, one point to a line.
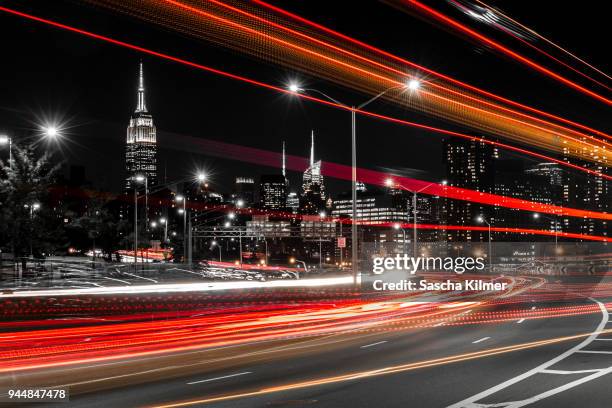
[141, 143]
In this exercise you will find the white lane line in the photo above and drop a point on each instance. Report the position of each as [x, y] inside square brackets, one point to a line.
[571, 372]
[603, 339]
[520, 321]
[219, 378]
[374, 344]
[140, 277]
[439, 324]
[533, 308]
[594, 352]
[483, 339]
[471, 400]
[562, 388]
[117, 280]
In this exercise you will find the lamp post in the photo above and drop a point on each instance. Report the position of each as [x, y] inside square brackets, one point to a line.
[5, 140]
[322, 217]
[398, 226]
[183, 199]
[32, 207]
[390, 183]
[164, 221]
[556, 221]
[214, 243]
[482, 219]
[138, 178]
[412, 85]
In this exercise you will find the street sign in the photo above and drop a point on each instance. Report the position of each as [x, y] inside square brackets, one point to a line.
[341, 242]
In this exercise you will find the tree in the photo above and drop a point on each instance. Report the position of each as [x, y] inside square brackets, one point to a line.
[28, 226]
[99, 228]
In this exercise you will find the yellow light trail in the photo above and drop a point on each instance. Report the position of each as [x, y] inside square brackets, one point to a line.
[382, 371]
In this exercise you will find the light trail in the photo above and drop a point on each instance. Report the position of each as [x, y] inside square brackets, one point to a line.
[358, 375]
[421, 68]
[532, 64]
[402, 73]
[48, 348]
[594, 68]
[183, 287]
[251, 157]
[303, 96]
[244, 34]
[509, 31]
[295, 163]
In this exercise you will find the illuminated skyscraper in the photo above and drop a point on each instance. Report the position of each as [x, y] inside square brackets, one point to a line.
[273, 188]
[469, 164]
[141, 143]
[313, 179]
[313, 196]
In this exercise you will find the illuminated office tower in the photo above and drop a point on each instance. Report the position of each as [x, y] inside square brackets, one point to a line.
[141, 143]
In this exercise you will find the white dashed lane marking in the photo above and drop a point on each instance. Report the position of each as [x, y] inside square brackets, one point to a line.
[374, 344]
[219, 378]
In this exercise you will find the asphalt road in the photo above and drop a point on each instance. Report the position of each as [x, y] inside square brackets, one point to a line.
[246, 377]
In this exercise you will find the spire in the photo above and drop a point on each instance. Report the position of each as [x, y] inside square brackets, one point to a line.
[141, 107]
[311, 148]
[284, 161]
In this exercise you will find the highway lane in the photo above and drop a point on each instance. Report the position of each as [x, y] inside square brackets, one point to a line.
[428, 386]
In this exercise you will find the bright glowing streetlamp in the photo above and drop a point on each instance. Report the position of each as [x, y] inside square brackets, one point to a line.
[201, 177]
[295, 88]
[414, 85]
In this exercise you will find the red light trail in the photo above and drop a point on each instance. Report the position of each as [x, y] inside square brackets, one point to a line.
[266, 158]
[547, 41]
[425, 69]
[222, 24]
[455, 24]
[303, 96]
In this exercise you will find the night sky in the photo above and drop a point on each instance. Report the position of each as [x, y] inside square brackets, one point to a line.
[91, 87]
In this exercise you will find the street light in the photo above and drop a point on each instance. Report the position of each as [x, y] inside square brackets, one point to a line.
[482, 219]
[179, 198]
[556, 221]
[50, 131]
[398, 226]
[201, 177]
[414, 84]
[390, 183]
[32, 207]
[214, 243]
[295, 88]
[165, 222]
[240, 203]
[5, 140]
[322, 216]
[139, 178]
